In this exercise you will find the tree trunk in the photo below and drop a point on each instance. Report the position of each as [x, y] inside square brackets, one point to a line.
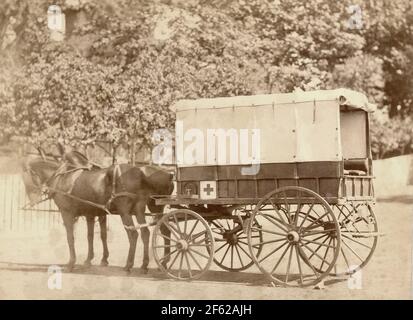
[114, 150]
[132, 155]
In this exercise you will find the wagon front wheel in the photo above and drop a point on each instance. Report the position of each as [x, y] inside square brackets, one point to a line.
[183, 245]
[301, 237]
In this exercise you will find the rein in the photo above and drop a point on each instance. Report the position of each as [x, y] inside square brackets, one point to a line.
[93, 204]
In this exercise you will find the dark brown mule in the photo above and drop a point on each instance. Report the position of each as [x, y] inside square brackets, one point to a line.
[112, 187]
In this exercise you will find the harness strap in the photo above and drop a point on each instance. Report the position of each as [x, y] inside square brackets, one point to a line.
[93, 204]
[77, 170]
[70, 171]
[26, 206]
[106, 207]
[114, 194]
[118, 195]
[117, 175]
[116, 171]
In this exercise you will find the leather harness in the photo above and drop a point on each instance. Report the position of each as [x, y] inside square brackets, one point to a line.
[106, 207]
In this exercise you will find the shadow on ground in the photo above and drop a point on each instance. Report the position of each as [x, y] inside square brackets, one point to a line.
[244, 278]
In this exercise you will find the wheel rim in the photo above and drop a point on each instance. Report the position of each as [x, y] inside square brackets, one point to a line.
[295, 223]
[232, 252]
[359, 236]
[189, 245]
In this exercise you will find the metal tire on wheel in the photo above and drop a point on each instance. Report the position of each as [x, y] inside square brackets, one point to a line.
[296, 223]
[188, 242]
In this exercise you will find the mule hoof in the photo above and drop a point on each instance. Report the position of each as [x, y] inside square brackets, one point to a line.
[127, 269]
[104, 263]
[87, 263]
[69, 267]
[143, 270]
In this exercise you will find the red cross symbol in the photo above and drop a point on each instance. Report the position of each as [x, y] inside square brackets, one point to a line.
[208, 189]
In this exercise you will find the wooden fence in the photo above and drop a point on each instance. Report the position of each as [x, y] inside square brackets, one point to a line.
[13, 218]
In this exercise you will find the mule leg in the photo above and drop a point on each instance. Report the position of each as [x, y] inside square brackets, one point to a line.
[133, 237]
[69, 221]
[140, 216]
[104, 237]
[90, 233]
[167, 233]
[167, 250]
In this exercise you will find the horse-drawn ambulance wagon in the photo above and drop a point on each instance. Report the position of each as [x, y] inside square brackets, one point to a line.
[280, 181]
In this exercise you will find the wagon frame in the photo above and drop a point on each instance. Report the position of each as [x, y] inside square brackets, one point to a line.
[330, 193]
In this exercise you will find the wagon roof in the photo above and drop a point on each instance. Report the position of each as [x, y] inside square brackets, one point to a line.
[349, 98]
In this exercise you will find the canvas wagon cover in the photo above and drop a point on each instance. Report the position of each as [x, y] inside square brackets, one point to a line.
[291, 127]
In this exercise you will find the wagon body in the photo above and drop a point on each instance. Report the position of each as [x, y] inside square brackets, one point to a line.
[318, 140]
[280, 181]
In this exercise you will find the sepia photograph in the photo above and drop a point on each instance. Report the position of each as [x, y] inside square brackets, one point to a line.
[206, 150]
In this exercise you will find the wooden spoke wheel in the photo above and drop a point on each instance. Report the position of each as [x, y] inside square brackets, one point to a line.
[182, 243]
[359, 236]
[301, 236]
[232, 253]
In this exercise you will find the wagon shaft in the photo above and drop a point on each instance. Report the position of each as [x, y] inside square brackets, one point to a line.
[365, 235]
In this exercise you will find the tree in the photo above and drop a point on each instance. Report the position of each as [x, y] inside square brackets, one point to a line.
[124, 63]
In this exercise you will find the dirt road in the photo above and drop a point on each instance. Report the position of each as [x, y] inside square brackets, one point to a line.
[25, 259]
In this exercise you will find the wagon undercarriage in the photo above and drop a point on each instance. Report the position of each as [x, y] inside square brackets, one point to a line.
[292, 235]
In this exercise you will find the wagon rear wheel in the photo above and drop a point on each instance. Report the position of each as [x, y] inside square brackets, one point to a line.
[359, 236]
[183, 244]
[301, 237]
[231, 249]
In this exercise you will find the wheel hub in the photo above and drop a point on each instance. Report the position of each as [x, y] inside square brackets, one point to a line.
[182, 245]
[231, 238]
[293, 236]
[330, 226]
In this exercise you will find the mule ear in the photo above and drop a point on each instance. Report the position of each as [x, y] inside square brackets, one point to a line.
[41, 152]
[61, 148]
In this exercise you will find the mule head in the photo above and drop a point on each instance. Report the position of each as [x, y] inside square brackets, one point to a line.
[35, 174]
[71, 156]
[161, 183]
[159, 179]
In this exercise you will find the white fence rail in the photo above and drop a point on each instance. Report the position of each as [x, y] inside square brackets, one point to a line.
[42, 217]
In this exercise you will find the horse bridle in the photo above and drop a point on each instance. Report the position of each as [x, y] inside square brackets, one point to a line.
[41, 185]
[32, 174]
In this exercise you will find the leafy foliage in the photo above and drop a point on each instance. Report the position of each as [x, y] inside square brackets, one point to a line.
[124, 63]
